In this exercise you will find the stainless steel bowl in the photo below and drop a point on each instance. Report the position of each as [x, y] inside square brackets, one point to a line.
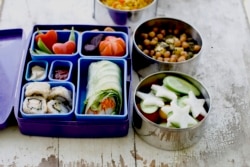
[108, 16]
[164, 137]
[146, 65]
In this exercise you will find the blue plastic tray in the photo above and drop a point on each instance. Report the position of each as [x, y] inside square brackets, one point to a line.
[74, 127]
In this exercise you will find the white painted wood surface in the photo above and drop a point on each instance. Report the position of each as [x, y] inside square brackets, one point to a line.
[224, 69]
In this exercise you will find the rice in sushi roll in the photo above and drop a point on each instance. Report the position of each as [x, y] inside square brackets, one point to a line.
[38, 89]
[61, 93]
[57, 106]
[34, 105]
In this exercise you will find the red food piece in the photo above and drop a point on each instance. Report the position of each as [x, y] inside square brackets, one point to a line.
[68, 47]
[154, 117]
[48, 38]
[200, 117]
[61, 74]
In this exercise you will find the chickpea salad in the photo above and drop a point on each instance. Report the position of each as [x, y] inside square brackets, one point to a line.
[167, 45]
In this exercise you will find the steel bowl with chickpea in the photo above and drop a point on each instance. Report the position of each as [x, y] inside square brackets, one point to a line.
[169, 43]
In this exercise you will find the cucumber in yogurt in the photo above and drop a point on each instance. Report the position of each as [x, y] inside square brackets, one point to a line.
[148, 109]
[180, 85]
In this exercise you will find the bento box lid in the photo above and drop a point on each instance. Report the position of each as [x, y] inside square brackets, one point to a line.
[11, 45]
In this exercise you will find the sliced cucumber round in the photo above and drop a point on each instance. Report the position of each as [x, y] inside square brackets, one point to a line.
[148, 109]
[180, 101]
[180, 85]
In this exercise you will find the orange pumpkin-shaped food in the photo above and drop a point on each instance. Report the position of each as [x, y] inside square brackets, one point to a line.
[112, 46]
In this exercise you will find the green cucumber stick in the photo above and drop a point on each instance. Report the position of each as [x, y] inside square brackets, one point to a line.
[43, 47]
[72, 35]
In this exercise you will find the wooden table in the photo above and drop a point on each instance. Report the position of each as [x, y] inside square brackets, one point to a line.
[224, 69]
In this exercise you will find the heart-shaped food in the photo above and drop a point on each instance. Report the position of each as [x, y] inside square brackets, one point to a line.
[68, 47]
[48, 38]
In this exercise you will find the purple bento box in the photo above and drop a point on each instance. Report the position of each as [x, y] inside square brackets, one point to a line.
[15, 80]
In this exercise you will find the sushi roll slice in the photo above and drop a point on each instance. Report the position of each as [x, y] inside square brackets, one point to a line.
[57, 106]
[62, 94]
[34, 105]
[37, 89]
[104, 92]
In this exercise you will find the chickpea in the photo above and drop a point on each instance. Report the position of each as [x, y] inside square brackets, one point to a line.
[166, 59]
[170, 31]
[159, 58]
[181, 58]
[197, 48]
[160, 36]
[155, 29]
[144, 35]
[156, 39]
[183, 37]
[146, 51]
[185, 45]
[158, 54]
[152, 52]
[151, 34]
[140, 47]
[176, 31]
[184, 53]
[167, 54]
[173, 58]
[153, 42]
[177, 42]
[163, 32]
[146, 42]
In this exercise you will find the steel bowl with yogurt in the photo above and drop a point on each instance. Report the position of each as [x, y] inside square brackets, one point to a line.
[158, 132]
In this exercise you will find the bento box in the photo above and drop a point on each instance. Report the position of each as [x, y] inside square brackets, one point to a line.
[52, 89]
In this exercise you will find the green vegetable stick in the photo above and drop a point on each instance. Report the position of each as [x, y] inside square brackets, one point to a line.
[43, 47]
[72, 35]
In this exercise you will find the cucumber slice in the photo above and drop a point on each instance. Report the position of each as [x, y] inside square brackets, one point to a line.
[180, 85]
[148, 109]
[180, 101]
[175, 125]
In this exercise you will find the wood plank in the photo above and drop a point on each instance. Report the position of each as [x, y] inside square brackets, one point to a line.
[20, 150]
[92, 152]
[223, 68]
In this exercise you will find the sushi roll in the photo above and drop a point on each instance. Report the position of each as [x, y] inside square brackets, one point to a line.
[62, 94]
[37, 89]
[57, 106]
[34, 105]
[104, 92]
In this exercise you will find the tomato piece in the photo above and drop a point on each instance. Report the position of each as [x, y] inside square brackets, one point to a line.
[68, 47]
[48, 38]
